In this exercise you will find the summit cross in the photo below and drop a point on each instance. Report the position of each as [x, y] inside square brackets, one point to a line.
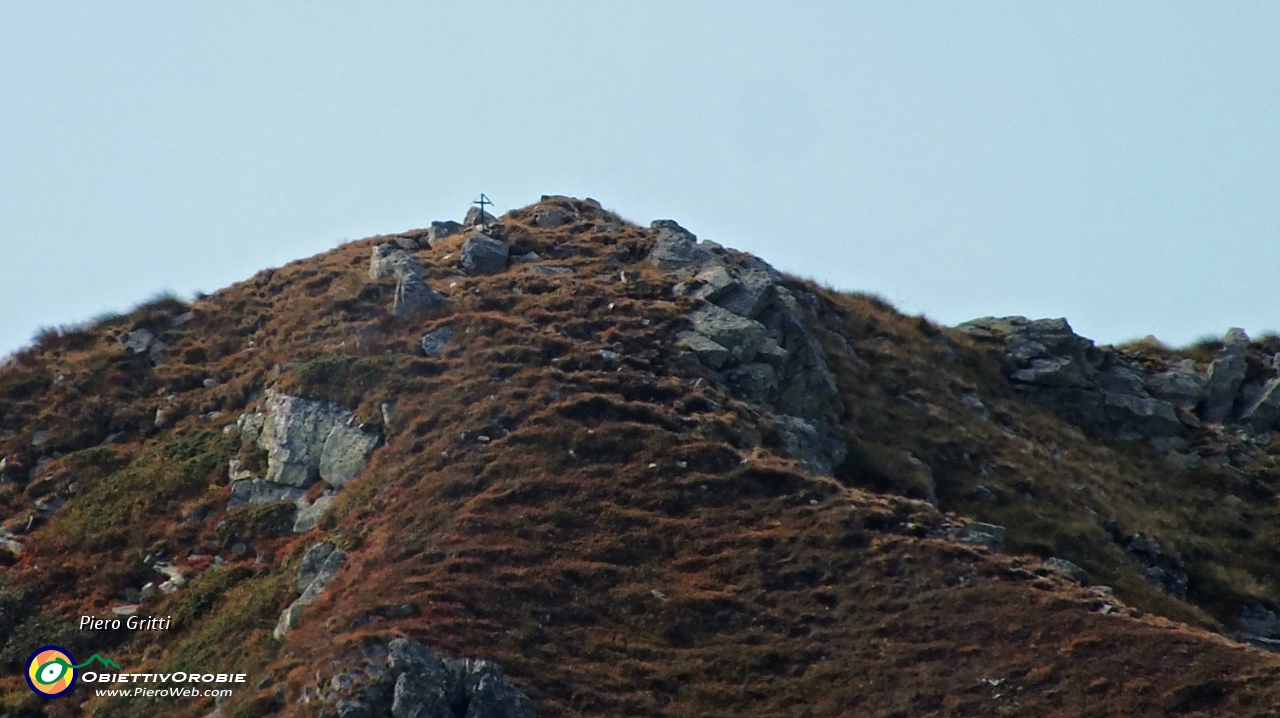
[482, 202]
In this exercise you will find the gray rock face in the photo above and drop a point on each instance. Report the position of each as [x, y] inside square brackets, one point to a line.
[414, 296]
[436, 341]
[256, 491]
[139, 340]
[319, 565]
[250, 426]
[1263, 414]
[309, 515]
[490, 695]
[345, 452]
[296, 436]
[142, 340]
[802, 441]
[10, 542]
[1052, 366]
[806, 386]
[1226, 374]
[440, 230]
[743, 336]
[476, 217]
[710, 284]
[407, 679]
[483, 254]
[749, 295]
[1180, 385]
[755, 381]
[708, 352]
[676, 248]
[1122, 378]
[549, 218]
[1063, 354]
[984, 534]
[756, 333]
[1141, 415]
[388, 260]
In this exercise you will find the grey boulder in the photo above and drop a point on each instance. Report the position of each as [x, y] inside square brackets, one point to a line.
[708, 352]
[676, 247]
[414, 296]
[309, 515]
[1263, 413]
[436, 341]
[475, 216]
[1226, 374]
[754, 381]
[490, 694]
[440, 230]
[388, 260]
[482, 254]
[297, 436]
[428, 685]
[1143, 416]
[549, 218]
[319, 565]
[256, 491]
[749, 295]
[1052, 371]
[741, 336]
[802, 441]
[345, 452]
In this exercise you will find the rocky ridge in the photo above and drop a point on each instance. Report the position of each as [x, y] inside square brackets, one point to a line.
[1168, 401]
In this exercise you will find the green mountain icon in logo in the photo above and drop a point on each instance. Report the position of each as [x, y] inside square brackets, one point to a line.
[98, 657]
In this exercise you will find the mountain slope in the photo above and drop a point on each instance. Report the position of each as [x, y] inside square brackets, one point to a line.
[642, 474]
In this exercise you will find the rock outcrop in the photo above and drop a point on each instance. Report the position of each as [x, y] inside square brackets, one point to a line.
[436, 341]
[676, 249]
[319, 565]
[305, 440]
[1226, 374]
[252, 492]
[754, 332]
[549, 218]
[143, 340]
[476, 216]
[1263, 414]
[1120, 394]
[404, 678]
[482, 254]
[1181, 385]
[413, 294]
[441, 230]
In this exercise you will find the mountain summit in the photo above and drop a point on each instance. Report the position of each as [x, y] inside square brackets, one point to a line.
[558, 464]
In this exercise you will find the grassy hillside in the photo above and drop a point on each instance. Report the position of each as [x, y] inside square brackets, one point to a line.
[564, 492]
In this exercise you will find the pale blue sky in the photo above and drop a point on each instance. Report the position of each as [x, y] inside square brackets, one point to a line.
[1114, 163]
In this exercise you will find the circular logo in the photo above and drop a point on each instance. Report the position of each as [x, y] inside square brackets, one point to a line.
[51, 671]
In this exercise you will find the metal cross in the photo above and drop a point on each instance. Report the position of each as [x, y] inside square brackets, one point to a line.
[482, 202]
